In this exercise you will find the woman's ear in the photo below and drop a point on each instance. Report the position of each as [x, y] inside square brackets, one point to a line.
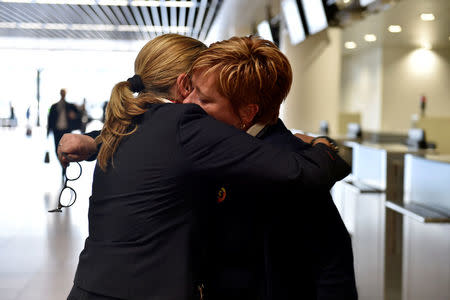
[247, 113]
[183, 85]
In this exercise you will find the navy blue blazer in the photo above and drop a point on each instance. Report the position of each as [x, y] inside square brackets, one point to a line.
[142, 212]
[278, 242]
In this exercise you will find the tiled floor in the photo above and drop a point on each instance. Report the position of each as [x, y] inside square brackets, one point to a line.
[38, 250]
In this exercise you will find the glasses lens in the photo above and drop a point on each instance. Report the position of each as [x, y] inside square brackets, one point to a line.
[67, 197]
[73, 171]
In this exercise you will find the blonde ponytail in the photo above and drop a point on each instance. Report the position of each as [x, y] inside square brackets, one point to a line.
[158, 64]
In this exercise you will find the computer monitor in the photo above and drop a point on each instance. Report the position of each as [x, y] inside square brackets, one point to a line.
[264, 30]
[366, 2]
[323, 128]
[416, 138]
[354, 131]
[316, 19]
[269, 31]
[294, 23]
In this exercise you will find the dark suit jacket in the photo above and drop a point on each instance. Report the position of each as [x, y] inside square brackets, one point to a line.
[73, 124]
[142, 215]
[279, 242]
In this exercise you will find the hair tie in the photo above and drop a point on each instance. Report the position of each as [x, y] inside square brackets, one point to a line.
[136, 84]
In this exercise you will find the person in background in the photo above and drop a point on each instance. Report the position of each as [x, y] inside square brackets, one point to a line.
[105, 104]
[85, 119]
[63, 117]
[28, 114]
[153, 169]
[12, 115]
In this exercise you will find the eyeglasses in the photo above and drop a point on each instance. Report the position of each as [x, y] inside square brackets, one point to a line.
[68, 196]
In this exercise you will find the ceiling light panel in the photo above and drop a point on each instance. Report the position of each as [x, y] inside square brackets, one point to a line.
[395, 28]
[370, 37]
[427, 17]
[426, 45]
[350, 45]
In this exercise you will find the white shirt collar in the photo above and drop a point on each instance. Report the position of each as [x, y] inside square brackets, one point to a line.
[255, 129]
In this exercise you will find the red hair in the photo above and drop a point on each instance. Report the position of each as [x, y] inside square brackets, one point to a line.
[250, 71]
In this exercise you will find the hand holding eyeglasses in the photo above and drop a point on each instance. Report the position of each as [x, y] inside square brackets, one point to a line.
[75, 147]
[68, 196]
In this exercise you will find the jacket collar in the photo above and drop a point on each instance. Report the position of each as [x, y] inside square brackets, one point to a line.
[255, 129]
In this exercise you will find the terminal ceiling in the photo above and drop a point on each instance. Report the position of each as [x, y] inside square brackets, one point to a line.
[106, 19]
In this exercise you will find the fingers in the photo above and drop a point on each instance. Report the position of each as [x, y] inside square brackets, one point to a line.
[65, 147]
[65, 158]
[66, 143]
[304, 137]
[64, 163]
[75, 147]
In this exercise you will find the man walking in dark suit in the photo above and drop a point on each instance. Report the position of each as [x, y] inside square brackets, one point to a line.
[63, 118]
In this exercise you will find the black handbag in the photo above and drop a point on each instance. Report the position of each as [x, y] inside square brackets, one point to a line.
[47, 157]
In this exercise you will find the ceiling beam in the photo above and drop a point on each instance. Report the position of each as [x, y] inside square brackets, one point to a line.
[147, 19]
[156, 20]
[9, 11]
[199, 20]
[87, 20]
[173, 15]
[106, 19]
[137, 16]
[144, 3]
[191, 18]
[182, 17]
[208, 20]
[164, 18]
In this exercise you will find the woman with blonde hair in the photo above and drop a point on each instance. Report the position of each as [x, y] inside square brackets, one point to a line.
[154, 168]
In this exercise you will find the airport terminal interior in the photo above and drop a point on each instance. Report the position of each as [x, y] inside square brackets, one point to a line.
[374, 75]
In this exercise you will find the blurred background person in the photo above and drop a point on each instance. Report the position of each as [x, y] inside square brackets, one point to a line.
[85, 118]
[12, 115]
[64, 117]
[105, 104]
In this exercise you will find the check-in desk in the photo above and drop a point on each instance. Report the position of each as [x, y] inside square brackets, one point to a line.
[426, 228]
[377, 176]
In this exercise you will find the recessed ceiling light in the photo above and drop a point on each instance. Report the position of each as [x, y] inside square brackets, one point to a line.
[395, 28]
[346, 1]
[427, 17]
[350, 45]
[14, 25]
[53, 26]
[426, 45]
[370, 37]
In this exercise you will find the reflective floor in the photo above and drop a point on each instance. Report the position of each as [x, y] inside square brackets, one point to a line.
[38, 250]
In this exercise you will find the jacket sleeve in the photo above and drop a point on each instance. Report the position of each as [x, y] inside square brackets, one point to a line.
[51, 119]
[223, 153]
[341, 168]
[335, 276]
[94, 134]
